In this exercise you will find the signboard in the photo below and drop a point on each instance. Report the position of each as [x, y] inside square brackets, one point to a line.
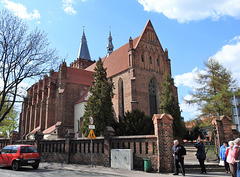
[91, 126]
[91, 120]
[91, 135]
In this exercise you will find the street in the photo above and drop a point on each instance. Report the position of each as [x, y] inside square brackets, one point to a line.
[74, 170]
[30, 172]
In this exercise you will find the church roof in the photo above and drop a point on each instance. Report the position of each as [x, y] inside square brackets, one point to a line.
[52, 128]
[79, 76]
[83, 49]
[83, 97]
[117, 61]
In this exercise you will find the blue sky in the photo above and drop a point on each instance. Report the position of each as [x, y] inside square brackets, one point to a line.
[192, 31]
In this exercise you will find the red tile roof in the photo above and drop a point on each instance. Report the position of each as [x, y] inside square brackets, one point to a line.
[33, 131]
[52, 128]
[117, 61]
[82, 99]
[79, 76]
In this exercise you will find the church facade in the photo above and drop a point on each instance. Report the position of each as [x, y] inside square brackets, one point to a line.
[136, 69]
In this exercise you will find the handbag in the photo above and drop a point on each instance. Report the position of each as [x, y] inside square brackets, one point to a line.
[221, 163]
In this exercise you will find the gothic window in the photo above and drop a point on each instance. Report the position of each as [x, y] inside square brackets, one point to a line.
[150, 60]
[142, 57]
[158, 61]
[120, 97]
[152, 97]
[129, 58]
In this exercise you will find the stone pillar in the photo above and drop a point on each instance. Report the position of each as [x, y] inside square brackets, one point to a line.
[108, 133]
[163, 127]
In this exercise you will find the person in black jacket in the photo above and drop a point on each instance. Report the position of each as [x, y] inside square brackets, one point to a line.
[201, 155]
[178, 153]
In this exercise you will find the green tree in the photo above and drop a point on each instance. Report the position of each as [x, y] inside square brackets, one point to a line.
[216, 88]
[99, 104]
[24, 54]
[169, 105]
[10, 122]
[134, 123]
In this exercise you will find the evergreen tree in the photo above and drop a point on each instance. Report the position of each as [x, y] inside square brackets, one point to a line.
[99, 104]
[134, 123]
[217, 87]
[169, 105]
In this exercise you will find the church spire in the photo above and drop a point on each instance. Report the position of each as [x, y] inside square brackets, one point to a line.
[83, 49]
[109, 45]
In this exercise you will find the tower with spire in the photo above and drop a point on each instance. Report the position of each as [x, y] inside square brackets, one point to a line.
[83, 49]
[83, 58]
[109, 45]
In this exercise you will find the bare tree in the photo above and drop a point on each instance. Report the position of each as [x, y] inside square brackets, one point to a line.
[23, 54]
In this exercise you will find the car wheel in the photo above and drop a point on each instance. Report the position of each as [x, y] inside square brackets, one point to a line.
[35, 166]
[15, 165]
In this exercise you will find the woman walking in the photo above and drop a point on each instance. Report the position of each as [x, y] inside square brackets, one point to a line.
[231, 159]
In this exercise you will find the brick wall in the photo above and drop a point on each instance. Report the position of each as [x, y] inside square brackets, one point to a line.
[155, 147]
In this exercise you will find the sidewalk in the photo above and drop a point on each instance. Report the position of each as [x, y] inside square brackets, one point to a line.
[118, 172]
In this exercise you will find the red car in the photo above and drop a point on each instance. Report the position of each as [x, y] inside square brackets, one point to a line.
[19, 155]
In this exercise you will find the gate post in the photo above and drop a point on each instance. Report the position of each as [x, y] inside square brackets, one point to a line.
[163, 127]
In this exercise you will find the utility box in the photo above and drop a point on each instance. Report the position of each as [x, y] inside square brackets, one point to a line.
[122, 158]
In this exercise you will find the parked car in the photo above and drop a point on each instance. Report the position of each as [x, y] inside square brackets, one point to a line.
[17, 156]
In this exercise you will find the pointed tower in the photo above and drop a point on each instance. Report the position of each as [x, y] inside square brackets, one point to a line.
[110, 45]
[83, 49]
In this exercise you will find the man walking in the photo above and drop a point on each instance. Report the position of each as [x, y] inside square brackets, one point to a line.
[178, 153]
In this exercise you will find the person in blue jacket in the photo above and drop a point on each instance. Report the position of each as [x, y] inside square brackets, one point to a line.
[222, 156]
[201, 155]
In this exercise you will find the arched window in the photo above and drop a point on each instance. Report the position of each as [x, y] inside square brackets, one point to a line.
[142, 57]
[120, 97]
[152, 97]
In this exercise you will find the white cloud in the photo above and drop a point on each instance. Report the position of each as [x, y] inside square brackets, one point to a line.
[229, 57]
[191, 110]
[68, 7]
[188, 10]
[186, 79]
[21, 11]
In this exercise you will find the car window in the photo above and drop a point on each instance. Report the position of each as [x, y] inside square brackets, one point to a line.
[14, 149]
[6, 150]
[28, 149]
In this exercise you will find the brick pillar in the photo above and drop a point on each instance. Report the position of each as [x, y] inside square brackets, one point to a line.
[163, 127]
[223, 132]
[14, 135]
[38, 136]
[69, 134]
[218, 132]
[227, 128]
[108, 133]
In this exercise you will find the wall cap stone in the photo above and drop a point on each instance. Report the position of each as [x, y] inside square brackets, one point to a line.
[166, 118]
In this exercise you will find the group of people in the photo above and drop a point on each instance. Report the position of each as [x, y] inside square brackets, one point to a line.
[229, 153]
[179, 152]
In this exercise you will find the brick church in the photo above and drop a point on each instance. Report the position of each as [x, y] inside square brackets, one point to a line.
[56, 103]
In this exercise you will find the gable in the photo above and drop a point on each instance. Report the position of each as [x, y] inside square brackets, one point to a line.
[148, 36]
